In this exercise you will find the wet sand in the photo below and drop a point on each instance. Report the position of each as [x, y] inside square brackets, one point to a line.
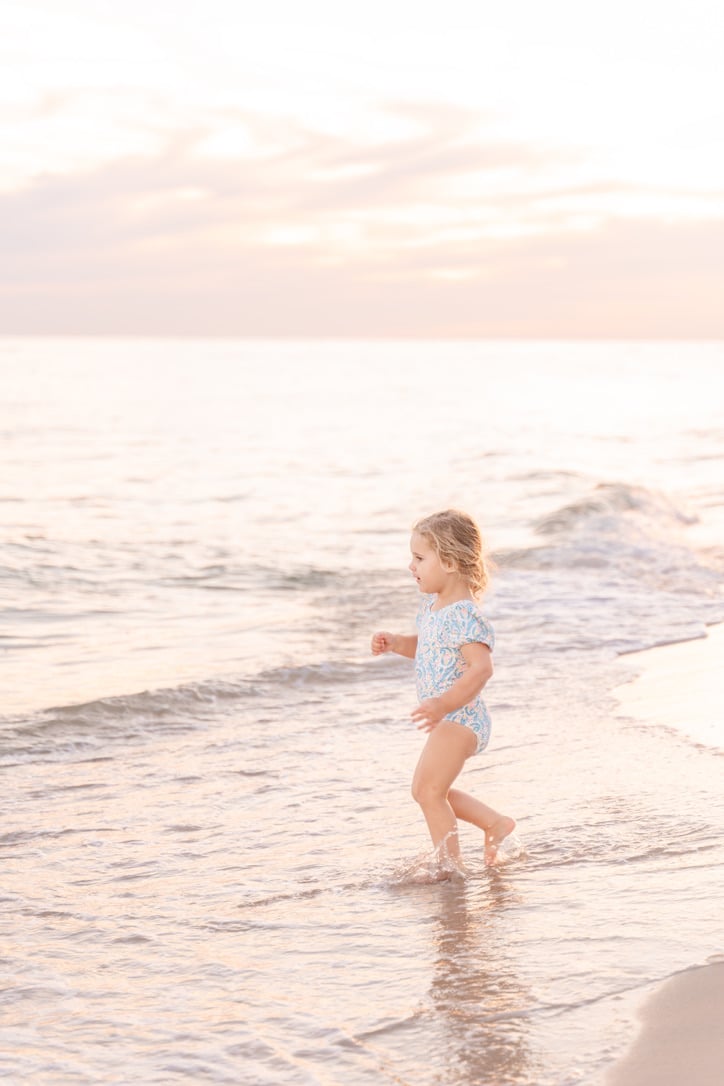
[681, 687]
[681, 1039]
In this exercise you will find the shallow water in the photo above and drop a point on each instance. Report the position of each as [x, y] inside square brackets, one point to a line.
[211, 860]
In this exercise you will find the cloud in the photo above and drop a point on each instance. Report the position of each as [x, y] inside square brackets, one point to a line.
[294, 177]
[441, 231]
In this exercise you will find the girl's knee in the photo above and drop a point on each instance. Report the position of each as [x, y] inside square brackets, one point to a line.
[425, 792]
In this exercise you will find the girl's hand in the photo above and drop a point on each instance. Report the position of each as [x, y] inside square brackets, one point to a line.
[382, 642]
[428, 714]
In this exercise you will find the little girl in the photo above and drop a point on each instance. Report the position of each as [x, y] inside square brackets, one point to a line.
[452, 652]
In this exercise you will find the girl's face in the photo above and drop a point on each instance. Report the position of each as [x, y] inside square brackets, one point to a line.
[426, 567]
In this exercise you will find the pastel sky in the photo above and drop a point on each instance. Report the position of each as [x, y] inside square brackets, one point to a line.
[314, 168]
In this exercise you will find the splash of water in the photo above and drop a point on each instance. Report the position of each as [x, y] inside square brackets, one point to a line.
[510, 848]
[439, 865]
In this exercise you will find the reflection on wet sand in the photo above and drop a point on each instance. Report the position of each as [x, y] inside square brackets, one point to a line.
[475, 990]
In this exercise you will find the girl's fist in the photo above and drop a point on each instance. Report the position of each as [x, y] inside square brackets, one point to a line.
[381, 642]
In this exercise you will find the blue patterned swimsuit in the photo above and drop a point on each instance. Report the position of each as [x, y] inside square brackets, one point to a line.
[439, 661]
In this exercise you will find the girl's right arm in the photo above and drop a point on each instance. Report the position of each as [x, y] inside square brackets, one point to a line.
[402, 644]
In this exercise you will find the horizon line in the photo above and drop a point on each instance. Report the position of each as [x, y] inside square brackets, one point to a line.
[371, 338]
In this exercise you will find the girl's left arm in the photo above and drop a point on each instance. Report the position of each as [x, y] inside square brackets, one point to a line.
[478, 669]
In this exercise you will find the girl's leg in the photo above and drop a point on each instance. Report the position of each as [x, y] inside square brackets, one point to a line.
[495, 826]
[448, 746]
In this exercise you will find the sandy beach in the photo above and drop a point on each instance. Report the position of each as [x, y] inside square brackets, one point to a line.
[681, 687]
[681, 1040]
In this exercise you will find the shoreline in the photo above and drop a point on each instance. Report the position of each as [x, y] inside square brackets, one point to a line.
[680, 687]
[681, 1039]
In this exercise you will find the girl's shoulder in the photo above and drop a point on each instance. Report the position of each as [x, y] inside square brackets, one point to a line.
[467, 623]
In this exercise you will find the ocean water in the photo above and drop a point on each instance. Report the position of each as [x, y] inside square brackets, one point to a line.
[212, 868]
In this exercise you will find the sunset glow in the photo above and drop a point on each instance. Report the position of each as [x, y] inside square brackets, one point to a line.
[314, 170]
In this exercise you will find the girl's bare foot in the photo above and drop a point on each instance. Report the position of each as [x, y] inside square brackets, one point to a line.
[494, 835]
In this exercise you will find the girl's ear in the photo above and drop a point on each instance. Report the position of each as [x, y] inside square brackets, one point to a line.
[448, 567]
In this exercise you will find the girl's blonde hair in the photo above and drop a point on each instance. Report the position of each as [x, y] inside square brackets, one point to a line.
[456, 539]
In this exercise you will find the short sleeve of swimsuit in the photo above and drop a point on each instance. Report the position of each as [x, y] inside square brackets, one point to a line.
[439, 660]
[466, 625]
